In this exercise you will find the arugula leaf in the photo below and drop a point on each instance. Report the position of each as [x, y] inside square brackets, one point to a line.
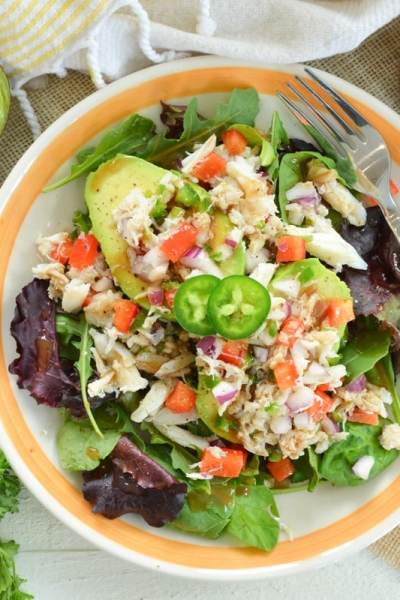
[10, 582]
[254, 519]
[278, 138]
[307, 469]
[75, 331]
[362, 440]
[132, 135]
[369, 344]
[243, 107]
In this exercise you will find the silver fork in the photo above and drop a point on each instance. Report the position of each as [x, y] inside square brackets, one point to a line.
[353, 139]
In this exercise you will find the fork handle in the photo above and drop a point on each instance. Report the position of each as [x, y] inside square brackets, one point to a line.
[389, 208]
[393, 220]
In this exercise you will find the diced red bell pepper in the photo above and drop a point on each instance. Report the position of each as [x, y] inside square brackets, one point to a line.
[286, 374]
[281, 469]
[179, 242]
[340, 312]
[62, 251]
[125, 312]
[223, 462]
[209, 167]
[182, 399]
[234, 353]
[84, 251]
[290, 249]
[234, 141]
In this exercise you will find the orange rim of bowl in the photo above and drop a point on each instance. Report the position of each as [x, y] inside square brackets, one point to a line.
[41, 170]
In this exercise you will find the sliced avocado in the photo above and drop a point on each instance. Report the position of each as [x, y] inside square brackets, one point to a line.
[207, 407]
[312, 272]
[104, 190]
[221, 228]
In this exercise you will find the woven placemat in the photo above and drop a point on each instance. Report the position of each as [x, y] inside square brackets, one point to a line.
[373, 66]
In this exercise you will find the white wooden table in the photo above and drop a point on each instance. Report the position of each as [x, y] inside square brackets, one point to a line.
[59, 565]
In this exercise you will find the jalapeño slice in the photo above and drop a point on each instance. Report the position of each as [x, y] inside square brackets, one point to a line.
[190, 304]
[237, 306]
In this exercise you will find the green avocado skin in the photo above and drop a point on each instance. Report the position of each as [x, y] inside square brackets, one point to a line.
[104, 191]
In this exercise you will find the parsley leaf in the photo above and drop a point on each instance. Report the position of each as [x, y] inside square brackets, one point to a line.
[10, 582]
[9, 488]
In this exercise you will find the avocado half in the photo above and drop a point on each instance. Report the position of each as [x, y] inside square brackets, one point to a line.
[104, 191]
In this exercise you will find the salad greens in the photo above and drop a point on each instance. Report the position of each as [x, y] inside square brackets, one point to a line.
[138, 450]
[10, 582]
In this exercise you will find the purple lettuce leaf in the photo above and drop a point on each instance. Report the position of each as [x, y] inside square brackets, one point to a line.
[374, 287]
[51, 380]
[129, 481]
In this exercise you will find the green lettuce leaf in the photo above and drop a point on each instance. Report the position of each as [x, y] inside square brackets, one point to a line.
[254, 519]
[133, 135]
[243, 107]
[362, 440]
[368, 345]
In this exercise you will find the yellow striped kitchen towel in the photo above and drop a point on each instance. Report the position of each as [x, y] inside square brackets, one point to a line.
[38, 37]
[112, 38]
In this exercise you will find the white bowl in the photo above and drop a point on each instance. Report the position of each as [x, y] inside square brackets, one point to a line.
[328, 524]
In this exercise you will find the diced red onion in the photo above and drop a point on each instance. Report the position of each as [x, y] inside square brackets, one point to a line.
[155, 297]
[309, 201]
[287, 309]
[224, 392]
[304, 194]
[152, 266]
[362, 468]
[217, 442]
[260, 353]
[358, 384]
[157, 334]
[207, 344]
[316, 373]
[281, 424]
[132, 254]
[282, 245]
[203, 263]
[231, 243]
[302, 420]
[193, 252]
[300, 399]
[329, 426]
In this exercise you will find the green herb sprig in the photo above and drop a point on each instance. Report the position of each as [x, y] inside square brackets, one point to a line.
[10, 582]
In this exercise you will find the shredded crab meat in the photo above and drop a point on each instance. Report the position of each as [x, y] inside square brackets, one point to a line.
[157, 357]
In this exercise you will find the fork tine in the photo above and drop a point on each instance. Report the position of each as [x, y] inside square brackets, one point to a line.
[309, 118]
[338, 119]
[318, 114]
[347, 108]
